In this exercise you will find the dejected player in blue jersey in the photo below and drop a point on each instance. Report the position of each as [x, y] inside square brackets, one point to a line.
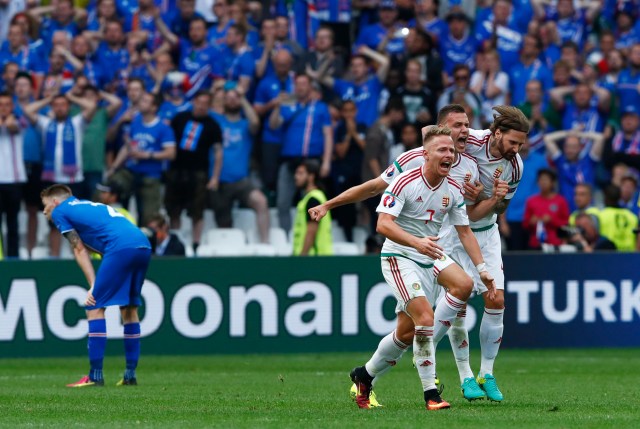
[126, 253]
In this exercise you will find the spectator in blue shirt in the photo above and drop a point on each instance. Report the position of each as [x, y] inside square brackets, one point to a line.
[267, 93]
[63, 18]
[18, 51]
[502, 33]
[218, 32]
[364, 88]
[178, 20]
[580, 108]
[573, 164]
[198, 58]
[382, 35]
[111, 55]
[234, 182]
[528, 67]
[149, 144]
[458, 45]
[307, 134]
[236, 60]
[427, 18]
[629, 80]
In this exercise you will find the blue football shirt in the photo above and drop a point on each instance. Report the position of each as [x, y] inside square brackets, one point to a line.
[100, 227]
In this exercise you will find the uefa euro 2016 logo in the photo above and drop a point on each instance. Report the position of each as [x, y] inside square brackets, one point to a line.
[389, 201]
[389, 171]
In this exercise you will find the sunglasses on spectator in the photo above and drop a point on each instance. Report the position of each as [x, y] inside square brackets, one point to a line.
[461, 77]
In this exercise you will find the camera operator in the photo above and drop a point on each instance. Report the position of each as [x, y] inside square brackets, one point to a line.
[585, 236]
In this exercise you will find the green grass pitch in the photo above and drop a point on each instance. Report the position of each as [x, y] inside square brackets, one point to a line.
[543, 389]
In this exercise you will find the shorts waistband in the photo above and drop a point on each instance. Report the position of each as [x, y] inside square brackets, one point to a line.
[484, 228]
[398, 255]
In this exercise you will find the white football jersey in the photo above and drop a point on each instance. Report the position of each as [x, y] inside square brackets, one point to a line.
[420, 209]
[405, 161]
[464, 169]
[491, 168]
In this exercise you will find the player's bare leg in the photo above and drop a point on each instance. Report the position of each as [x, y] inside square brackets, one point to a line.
[424, 355]
[491, 329]
[131, 324]
[96, 344]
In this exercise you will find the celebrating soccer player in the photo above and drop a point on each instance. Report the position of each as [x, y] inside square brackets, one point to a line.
[412, 210]
[126, 253]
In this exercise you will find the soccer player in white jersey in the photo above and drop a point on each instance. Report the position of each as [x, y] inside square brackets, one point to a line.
[411, 213]
[500, 166]
[454, 117]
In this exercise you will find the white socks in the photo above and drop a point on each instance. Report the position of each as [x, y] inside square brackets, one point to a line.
[445, 314]
[424, 356]
[459, 339]
[388, 353]
[491, 330]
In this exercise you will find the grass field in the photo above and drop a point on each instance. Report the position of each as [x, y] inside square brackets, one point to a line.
[543, 389]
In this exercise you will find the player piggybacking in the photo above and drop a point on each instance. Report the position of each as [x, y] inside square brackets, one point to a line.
[500, 168]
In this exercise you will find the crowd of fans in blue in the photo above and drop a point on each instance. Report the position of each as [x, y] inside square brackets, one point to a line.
[195, 105]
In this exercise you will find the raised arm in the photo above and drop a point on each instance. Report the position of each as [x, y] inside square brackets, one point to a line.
[75, 62]
[551, 142]
[381, 59]
[275, 119]
[251, 115]
[366, 190]
[558, 94]
[167, 35]
[88, 107]
[597, 146]
[31, 110]
[114, 103]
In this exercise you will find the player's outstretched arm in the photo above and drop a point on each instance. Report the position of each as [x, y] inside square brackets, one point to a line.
[84, 262]
[472, 248]
[355, 194]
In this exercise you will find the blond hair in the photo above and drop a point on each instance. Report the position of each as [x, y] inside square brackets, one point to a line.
[432, 131]
[509, 118]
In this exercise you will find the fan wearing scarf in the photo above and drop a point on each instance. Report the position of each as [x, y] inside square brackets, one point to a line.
[62, 141]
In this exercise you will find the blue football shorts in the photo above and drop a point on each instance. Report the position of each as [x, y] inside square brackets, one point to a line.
[119, 278]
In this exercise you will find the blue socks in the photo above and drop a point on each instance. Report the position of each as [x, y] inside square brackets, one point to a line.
[96, 345]
[131, 348]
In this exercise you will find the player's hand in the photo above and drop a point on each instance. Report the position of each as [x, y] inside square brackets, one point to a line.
[90, 301]
[472, 191]
[318, 212]
[428, 246]
[488, 281]
[325, 169]
[500, 189]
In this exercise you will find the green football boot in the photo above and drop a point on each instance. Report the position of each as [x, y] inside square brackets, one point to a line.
[490, 387]
[470, 389]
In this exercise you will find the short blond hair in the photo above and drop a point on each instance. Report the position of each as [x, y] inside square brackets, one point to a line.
[509, 118]
[432, 131]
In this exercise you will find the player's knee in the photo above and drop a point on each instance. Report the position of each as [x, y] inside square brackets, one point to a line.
[463, 287]
[405, 337]
[496, 303]
[424, 319]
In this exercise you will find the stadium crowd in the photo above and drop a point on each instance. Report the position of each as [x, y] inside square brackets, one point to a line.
[197, 105]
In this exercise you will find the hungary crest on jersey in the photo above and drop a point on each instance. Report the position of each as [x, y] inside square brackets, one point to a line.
[497, 173]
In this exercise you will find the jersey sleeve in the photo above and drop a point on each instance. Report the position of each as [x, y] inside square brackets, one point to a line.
[167, 138]
[60, 221]
[516, 176]
[458, 211]
[391, 203]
